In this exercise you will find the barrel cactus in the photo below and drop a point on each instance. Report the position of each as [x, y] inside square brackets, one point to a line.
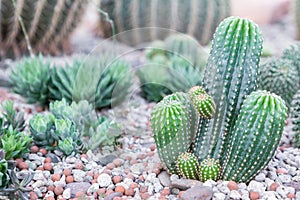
[196, 18]
[174, 124]
[281, 77]
[188, 166]
[48, 25]
[209, 169]
[31, 79]
[295, 116]
[292, 53]
[257, 131]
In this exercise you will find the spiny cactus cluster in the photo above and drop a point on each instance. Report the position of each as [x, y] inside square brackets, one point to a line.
[47, 23]
[196, 18]
[244, 132]
[295, 116]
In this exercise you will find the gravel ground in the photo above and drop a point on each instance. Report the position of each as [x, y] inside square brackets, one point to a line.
[135, 170]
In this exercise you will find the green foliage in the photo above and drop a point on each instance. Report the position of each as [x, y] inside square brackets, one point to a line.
[209, 169]
[281, 77]
[295, 116]
[4, 178]
[102, 82]
[12, 117]
[296, 7]
[174, 124]
[256, 136]
[31, 79]
[188, 166]
[14, 143]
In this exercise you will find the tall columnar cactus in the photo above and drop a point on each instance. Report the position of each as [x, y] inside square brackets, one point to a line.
[229, 76]
[255, 136]
[174, 124]
[295, 116]
[281, 77]
[297, 17]
[48, 25]
[188, 166]
[198, 18]
[209, 169]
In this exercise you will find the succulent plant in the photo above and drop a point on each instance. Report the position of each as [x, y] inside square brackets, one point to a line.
[203, 102]
[297, 16]
[295, 117]
[197, 18]
[209, 169]
[31, 79]
[14, 143]
[156, 48]
[255, 137]
[281, 77]
[174, 124]
[102, 82]
[48, 25]
[292, 53]
[188, 166]
[4, 178]
[12, 117]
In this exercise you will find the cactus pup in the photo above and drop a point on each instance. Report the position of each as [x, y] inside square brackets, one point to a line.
[188, 166]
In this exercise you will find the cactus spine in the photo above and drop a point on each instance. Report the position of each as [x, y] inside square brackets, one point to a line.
[198, 18]
[209, 169]
[295, 116]
[257, 131]
[174, 124]
[188, 166]
[229, 76]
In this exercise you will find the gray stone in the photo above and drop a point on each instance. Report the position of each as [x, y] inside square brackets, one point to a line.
[269, 195]
[113, 195]
[137, 168]
[54, 158]
[256, 187]
[67, 193]
[94, 187]
[198, 193]
[295, 185]
[260, 177]
[175, 191]
[234, 194]
[106, 159]
[104, 180]
[184, 184]
[78, 175]
[164, 179]
[38, 192]
[219, 196]
[38, 175]
[285, 178]
[49, 194]
[297, 196]
[78, 187]
[283, 190]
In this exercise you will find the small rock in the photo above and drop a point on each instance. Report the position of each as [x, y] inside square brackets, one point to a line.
[254, 195]
[58, 190]
[113, 195]
[232, 185]
[184, 184]
[137, 168]
[219, 196]
[54, 158]
[274, 186]
[104, 180]
[164, 179]
[106, 159]
[67, 193]
[38, 175]
[285, 178]
[260, 177]
[255, 186]
[94, 187]
[198, 192]
[78, 187]
[234, 194]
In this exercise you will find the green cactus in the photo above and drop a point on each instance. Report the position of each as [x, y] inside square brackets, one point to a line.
[102, 82]
[31, 79]
[297, 17]
[209, 169]
[292, 53]
[295, 116]
[188, 166]
[202, 102]
[4, 178]
[229, 76]
[174, 124]
[196, 18]
[48, 25]
[279, 76]
[256, 136]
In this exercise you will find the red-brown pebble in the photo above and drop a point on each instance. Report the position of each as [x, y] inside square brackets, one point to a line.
[117, 198]
[33, 196]
[43, 151]
[165, 192]
[58, 190]
[117, 179]
[180, 194]
[55, 177]
[96, 176]
[254, 195]
[84, 156]
[18, 161]
[40, 168]
[281, 171]
[39, 109]
[274, 186]
[156, 171]
[143, 189]
[141, 178]
[133, 161]
[69, 179]
[130, 176]
[232, 185]
[47, 160]
[50, 198]
[101, 191]
[48, 166]
[134, 185]
[118, 162]
[290, 195]
[150, 153]
[67, 172]
[110, 166]
[120, 189]
[141, 156]
[109, 191]
[129, 192]
[50, 188]
[79, 165]
[34, 149]
[23, 165]
[152, 147]
[79, 194]
[145, 195]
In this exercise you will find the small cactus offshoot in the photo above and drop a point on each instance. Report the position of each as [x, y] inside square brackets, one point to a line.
[203, 102]
[188, 166]
[209, 169]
